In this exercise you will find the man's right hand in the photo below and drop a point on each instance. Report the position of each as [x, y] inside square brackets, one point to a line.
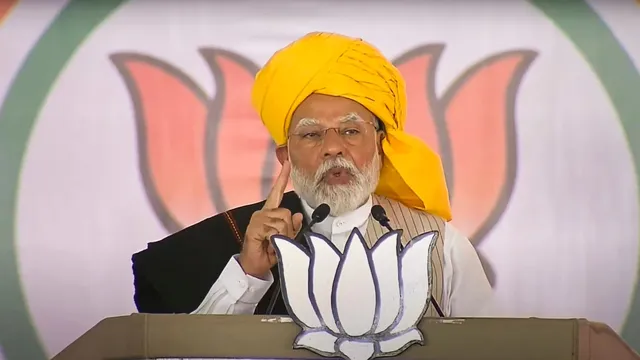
[258, 255]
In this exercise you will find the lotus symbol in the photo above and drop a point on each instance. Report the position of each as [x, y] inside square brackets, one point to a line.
[359, 304]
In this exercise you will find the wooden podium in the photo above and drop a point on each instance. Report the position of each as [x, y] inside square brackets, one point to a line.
[144, 336]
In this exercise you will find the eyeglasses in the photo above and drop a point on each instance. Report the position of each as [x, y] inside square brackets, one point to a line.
[352, 133]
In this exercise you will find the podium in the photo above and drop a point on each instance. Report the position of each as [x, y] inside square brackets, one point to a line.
[147, 336]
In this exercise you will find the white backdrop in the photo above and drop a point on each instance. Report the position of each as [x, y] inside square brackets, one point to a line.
[565, 245]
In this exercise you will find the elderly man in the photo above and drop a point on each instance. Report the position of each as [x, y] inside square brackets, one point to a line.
[336, 109]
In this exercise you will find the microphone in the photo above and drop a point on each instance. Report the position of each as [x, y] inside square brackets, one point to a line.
[380, 215]
[318, 215]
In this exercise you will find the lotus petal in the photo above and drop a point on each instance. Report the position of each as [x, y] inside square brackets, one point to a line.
[324, 264]
[321, 341]
[229, 140]
[479, 111]
[294, 267]
[402, 341]
[5, 10]
[171, 119]
[415, 270]
[355, 280]
[356, 349]
[385, 266]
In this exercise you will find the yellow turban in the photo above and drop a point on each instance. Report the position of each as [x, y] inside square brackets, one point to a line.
[336, 65]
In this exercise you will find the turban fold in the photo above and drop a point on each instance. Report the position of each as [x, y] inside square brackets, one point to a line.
[336, 65]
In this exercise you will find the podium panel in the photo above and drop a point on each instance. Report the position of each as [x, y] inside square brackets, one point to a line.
[146, 336]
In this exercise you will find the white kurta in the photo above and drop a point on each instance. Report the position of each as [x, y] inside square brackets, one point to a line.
[466, 291]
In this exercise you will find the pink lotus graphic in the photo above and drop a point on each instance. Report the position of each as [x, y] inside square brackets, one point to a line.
[201, 155]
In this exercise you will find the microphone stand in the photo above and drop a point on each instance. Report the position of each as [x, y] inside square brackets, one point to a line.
[380, 215]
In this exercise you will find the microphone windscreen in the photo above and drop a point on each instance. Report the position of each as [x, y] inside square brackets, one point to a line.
[378, 213]
[320, 213]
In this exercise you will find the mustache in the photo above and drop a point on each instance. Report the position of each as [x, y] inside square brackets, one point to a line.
[331, 164]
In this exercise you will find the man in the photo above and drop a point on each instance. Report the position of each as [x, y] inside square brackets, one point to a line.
[336, 109]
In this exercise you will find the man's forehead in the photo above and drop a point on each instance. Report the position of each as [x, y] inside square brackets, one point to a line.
[346, 118]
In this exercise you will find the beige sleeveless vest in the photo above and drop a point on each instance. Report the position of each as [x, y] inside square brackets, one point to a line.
[413, 223]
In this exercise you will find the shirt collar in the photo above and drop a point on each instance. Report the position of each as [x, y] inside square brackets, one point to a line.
[339, 224]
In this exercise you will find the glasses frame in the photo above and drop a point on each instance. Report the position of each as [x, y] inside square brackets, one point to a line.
[325, 130]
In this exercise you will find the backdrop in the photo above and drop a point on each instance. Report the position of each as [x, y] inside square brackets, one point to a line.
[124, 121]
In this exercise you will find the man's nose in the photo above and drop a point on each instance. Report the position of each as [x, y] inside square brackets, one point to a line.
[332, 144]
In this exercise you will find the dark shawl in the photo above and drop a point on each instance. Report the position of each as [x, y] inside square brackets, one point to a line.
[175, 274]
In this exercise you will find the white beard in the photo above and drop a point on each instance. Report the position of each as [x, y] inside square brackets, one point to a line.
[341, 198]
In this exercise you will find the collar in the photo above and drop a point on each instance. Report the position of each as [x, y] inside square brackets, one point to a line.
[339, 224]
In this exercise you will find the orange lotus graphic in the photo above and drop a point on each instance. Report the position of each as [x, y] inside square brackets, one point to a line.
[6, 6]
[200, 155]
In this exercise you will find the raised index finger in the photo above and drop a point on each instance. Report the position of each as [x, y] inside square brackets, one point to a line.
[275, 196]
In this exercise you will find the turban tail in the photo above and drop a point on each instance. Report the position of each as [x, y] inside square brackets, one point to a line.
[336, 65]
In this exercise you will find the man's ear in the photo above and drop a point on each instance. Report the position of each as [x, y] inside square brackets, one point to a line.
[282, 153]
[381, 136]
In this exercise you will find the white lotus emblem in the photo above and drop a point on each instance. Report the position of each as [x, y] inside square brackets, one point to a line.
[361, 304]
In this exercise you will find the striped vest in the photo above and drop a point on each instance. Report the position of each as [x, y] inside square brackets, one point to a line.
[413, 223]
